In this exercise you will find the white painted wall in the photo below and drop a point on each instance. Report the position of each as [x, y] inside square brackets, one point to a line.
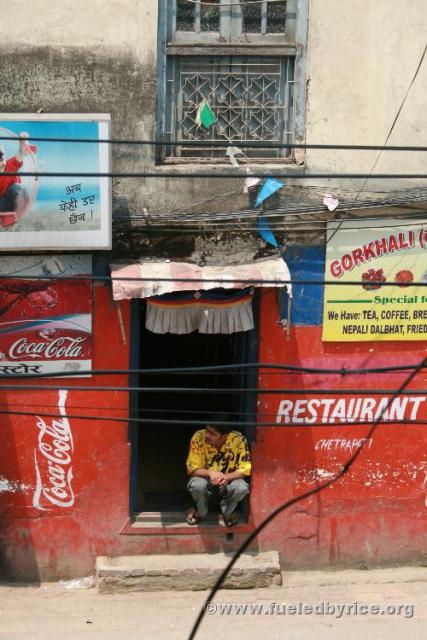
[116, 24]
[362, 56]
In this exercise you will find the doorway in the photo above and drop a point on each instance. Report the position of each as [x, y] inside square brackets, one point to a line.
[159, 449]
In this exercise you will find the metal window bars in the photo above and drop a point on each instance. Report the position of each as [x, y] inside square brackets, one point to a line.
[252, 100]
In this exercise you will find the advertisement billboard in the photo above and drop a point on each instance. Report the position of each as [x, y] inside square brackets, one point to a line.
[376, 253]
[45, 322]
[44, 212]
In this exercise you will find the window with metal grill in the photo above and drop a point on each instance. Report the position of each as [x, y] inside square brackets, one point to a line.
[238, 57]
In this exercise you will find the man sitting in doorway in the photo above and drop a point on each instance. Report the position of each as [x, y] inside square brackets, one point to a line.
[218, 463]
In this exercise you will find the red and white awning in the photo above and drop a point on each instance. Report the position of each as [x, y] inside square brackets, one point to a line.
[147, 279]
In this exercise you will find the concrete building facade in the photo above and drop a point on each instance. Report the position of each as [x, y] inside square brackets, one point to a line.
[348, 74]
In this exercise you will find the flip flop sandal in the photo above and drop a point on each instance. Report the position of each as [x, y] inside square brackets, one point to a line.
[231, 520]
[191, 517]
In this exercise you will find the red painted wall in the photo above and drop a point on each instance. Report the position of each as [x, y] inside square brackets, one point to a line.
[54, 541]
[375, 515]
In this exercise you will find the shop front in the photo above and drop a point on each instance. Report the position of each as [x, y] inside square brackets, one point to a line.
[94, 465]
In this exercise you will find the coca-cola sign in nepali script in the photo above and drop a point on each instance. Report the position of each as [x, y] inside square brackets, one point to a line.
[45, 314]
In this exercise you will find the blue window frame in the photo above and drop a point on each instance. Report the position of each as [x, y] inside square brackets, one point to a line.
[246, 60]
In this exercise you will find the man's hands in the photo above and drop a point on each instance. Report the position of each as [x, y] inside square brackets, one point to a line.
[217, 478]
[221, 480]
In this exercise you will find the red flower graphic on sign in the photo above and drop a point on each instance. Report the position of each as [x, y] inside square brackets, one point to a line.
[373, 278]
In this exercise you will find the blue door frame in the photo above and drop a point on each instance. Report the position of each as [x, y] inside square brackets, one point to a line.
[247, 405]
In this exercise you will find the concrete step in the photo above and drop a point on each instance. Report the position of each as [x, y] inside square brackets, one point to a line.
[185, 572]
[173, 518]
[159, 516]
[170, 517]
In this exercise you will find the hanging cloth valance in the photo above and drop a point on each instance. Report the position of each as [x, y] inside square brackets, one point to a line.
[205, 312]
[147, 279]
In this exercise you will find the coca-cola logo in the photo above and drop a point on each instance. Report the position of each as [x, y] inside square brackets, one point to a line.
[62, 347]
[53, 461]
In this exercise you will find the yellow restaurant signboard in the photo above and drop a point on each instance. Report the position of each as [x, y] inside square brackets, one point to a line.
[375, 252]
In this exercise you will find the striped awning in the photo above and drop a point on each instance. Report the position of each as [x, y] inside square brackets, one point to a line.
[147, 279]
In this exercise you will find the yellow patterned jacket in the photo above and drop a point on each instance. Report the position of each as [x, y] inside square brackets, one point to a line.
[234, 454]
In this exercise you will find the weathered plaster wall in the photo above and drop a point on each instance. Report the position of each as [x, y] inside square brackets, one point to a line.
[72, 56]
[75, 56]
[85, 57]
[362, 58]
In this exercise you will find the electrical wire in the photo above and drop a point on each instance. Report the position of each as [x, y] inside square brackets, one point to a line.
[236, 281]
[195, 204]
[373, 147]
[208, 391]
[227, 368]
[213, 423]
[237, 222]
[296, 231]
[232, 175]
[402, 196]
[236, 226]
[405, 97]
[417, 217]
[201, 415]
[347, 466]
[284, 226]
[213, 143]
[149, 216]
[243, 217]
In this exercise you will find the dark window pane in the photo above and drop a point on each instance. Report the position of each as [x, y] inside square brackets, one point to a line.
[209, 16]
[276, 17]
[252, 17]
[185, 15]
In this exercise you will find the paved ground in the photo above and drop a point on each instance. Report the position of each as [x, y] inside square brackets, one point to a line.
[51, 612]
